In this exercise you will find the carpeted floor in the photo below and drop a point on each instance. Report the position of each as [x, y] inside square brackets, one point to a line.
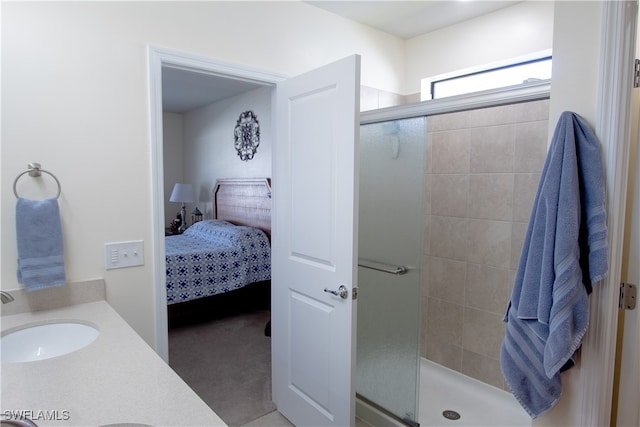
[219, 348]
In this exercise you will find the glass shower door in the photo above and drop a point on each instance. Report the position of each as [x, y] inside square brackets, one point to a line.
[391, 230]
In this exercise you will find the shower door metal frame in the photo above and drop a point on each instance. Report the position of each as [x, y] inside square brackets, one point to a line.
[489, 98]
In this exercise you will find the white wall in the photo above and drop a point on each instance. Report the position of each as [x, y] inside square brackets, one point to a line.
[574, 87]
[209, 144]
[518, 30]
[75, 98]
[576, 68]
[173, 158]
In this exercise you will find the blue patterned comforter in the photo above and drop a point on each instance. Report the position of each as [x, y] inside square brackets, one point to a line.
[212, 257]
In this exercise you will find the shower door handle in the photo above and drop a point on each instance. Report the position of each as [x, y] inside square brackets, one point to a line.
[342, 292]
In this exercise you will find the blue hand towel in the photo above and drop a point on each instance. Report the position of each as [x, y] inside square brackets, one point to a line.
[564, 251]
[40, 249]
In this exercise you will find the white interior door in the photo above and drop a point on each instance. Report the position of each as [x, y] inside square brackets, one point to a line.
[314, 245]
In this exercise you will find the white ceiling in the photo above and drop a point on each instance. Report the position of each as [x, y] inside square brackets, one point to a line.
[408, 19]
[185, 90]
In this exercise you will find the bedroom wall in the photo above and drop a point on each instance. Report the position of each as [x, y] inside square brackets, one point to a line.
[173, 159]
[209, 152]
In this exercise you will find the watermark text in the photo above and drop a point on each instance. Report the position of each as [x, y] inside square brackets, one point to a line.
[37, 415]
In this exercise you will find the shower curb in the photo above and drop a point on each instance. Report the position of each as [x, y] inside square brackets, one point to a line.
[373, 416]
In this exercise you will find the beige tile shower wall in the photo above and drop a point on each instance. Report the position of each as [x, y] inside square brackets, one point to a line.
[482, 173]
[373, 99]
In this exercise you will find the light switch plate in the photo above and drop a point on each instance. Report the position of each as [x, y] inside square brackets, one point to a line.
[123, 254]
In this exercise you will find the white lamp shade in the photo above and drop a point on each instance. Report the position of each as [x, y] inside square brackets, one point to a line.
[182, 193]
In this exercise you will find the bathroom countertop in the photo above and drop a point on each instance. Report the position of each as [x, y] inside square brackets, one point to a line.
[117, 379]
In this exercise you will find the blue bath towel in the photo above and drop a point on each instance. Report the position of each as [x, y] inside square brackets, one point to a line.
[40, 249]
[564, 251]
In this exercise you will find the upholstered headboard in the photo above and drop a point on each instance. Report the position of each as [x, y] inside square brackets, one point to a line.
[244, 201]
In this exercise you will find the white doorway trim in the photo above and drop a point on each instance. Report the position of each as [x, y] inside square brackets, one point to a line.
[613, 128]
[158, 58]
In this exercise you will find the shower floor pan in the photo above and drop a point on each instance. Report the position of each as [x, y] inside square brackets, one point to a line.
[477, 403]
[449, 398]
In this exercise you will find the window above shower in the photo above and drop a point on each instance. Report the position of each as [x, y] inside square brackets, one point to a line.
[522, 70]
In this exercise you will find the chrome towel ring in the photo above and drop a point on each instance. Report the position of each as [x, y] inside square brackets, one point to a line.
[34, 170]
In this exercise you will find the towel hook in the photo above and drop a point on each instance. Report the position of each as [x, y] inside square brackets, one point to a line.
[34, 170]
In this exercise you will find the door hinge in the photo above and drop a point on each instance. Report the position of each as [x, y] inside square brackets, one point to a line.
[354, 293]
[628, 297]
[636, 73]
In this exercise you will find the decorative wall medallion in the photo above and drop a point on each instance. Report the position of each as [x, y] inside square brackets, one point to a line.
[247, 135]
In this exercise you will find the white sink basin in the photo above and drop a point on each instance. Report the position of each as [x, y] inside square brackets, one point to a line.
[39, 342]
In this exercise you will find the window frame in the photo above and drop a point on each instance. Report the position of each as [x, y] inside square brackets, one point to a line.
[485, 71]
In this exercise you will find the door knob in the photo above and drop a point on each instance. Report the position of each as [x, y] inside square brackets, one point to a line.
[342, 292]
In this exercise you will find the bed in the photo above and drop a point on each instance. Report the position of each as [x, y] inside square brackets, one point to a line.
[227, 253]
